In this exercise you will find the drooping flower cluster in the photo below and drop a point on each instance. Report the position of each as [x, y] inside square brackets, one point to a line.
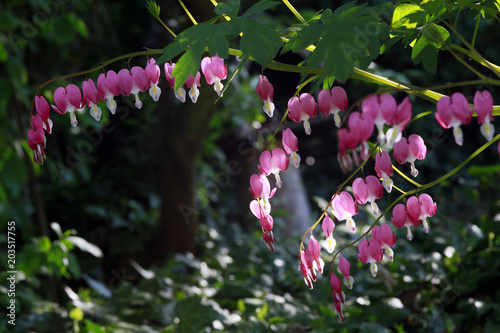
[265, 90]
[271, 162]
[343, 207]
[384, 110]
[368, 190]
[359, 130]
[332, 102]
[410, 150]
[311, 262]
[71, 98]
[417, 210]
[373, 251]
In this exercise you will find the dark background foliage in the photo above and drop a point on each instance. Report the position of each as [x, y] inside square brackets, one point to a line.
[102, 245]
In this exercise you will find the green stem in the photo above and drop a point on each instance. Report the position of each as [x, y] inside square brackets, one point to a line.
[101, 66]
[188, 13]
[473, 41]
[480, 60]
[406, 177]
[295, 12]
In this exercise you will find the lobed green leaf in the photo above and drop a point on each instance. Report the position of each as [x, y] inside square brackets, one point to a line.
[259, 41]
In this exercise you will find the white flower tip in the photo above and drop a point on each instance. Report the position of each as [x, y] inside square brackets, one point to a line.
[111, 104]
[487, 130]
[295, 159]
[387, 183]
[457, 133]
[307, 127]
[351, 225]
[426, 226]
[180, 94]
[194, 93]
[218, 87]
[336, 117]
[279, 183]
[373, 269]
[414, 171]
[268, 107]
[409, 235]
[155, 92]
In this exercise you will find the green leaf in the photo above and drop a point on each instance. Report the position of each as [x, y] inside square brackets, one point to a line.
[4, 55]
[426, 48]
[193, 315]
[194, 40]
[349, 35]
[259, 41]
[188, 64]
[229, 8]
[407, 17]
[436, 34]
[260, 7]
[308, 35]
[425, 52]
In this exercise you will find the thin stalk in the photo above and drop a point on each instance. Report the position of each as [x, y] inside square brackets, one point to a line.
[187, 12]
[405, 177]
[474, 35]
[294, 12]
[475, 57]
[101, 66]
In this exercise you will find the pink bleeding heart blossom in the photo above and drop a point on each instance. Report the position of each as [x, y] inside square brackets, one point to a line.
[314, 248]
[274, 162]
[133, 82]
[152, 72]
[91, 98]
[306, 268]
[401, 118]
[370, 252]
[180, 93]
[260, 188]
[483, 104]
[401, 218]
[420, 208]
[364, 125]
[386, 239]
[68, 99]
[302, 108]
[337, 294]
[291, 145]
[332, 102]
[452, 112]
[345, 269]
[383, 167]
[347, 139]
[368, 190]
[328, 226]
[382, 109]
[192, 84]
[409, 151]
[343, 208]
[43, 109]
[108, 87]
[36, 139]
[214, 70]
[265, 91]
[262, 212]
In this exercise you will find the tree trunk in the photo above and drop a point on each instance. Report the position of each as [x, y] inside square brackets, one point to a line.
[182, 129]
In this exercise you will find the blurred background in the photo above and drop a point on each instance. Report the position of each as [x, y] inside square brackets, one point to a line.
[140, 222]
